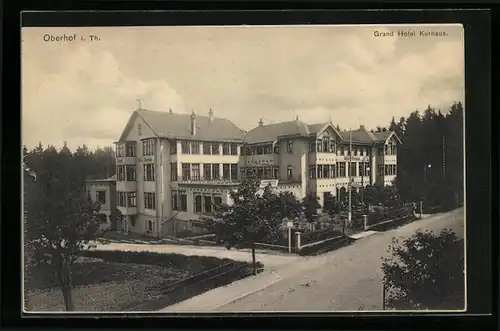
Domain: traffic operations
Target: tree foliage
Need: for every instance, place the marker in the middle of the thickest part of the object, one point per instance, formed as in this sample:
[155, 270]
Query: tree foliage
[310, 206]
[252, 217]
[425, 271]
[436, 139]
[60, 220]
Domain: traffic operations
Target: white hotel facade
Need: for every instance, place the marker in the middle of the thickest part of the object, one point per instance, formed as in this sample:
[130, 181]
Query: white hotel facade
[172, 168]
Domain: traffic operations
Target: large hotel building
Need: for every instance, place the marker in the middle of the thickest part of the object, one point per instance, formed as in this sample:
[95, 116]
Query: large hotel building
[172, 168]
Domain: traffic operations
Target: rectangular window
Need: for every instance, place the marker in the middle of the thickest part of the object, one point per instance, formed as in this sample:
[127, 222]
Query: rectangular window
[326, 171]
[234, 149]
[206, 148]
[215, 149]
[380, 151]
[225, 172]
[150, 225]
[217, 200]
[150, 200]
[173, 147]
[186, 171]
[319, 146]
[195, 171]
[289, 146]
[276, 149]
[183, 201]
[148, 147]
[225, 148]
[260, 173]
[320, 171]
[120, 173]
[215, 171]
[197, 202]
[352, 170]
[207, 203]
[185, 147]
[131, 173]
[276, 173]
[326, 145]
[122, 199]
[289, 173]
[331, 147]
[342, 171]
[101, 197]
[130, 150]
[149, 172]
[173, 171]
[207, 171]
[342, 151]
[234, 171]
[120, 150]
[333, 171]
[195, 147]
[175, 200]
[131, 199]
[386, 170]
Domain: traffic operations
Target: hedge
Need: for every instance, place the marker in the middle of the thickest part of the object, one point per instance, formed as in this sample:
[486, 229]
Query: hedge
[326, 246]
[393, 224]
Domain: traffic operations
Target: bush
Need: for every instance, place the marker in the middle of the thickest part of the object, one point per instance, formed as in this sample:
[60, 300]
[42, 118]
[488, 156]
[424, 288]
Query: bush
[426, 271]
[326, 246]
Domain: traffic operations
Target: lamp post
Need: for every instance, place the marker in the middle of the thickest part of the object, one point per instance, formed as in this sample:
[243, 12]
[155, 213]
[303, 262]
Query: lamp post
[425, 172]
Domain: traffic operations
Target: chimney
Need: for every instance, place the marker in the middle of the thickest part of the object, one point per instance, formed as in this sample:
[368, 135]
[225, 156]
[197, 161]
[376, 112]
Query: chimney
[261, 123]
[170, 110]
[211, 115]
[297, 118]
[361, 126]
[193, 123]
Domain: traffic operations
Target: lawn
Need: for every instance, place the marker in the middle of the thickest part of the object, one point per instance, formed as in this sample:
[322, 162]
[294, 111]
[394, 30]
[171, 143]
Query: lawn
[127, 281]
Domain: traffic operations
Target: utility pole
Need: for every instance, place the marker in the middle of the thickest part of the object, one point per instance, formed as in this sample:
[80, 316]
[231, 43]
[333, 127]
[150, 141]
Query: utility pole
[349, 214]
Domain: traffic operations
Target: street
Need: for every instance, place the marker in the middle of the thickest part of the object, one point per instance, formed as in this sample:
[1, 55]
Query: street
[346, 279]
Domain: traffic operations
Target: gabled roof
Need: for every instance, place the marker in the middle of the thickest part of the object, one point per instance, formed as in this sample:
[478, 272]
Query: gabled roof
[386, 135]
[364, 136]
[178, 126]
[272, 132]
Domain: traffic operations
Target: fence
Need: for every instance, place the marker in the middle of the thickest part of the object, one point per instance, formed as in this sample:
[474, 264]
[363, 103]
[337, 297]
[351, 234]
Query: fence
[196, 284]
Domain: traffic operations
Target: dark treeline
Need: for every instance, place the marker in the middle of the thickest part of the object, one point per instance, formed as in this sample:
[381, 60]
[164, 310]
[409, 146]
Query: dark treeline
[76, 166]
[431, 157]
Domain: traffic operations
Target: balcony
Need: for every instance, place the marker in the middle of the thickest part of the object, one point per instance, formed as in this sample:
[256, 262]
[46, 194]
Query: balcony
[316, 157]
[202, 181]
[126, 186]
[291, 180]
[147, 158]
[127, 210]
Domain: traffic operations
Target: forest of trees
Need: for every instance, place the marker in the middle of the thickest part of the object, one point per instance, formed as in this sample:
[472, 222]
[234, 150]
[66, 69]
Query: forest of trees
[431, 157]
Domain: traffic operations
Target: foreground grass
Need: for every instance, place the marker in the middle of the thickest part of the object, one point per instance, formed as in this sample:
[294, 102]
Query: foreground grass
[125, 281]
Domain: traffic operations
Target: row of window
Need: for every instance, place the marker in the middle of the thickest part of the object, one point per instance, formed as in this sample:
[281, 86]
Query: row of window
[211, 171]
[126, 199]
[338, 170]
[129, 172]
[207, 148]
[128, 149]
[390, 170]
[389, 149]
[325, 145]
[202, 203]
[262, 172]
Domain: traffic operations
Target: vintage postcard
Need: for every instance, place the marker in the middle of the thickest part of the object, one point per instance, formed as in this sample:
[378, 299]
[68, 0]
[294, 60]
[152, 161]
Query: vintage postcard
[243, 168]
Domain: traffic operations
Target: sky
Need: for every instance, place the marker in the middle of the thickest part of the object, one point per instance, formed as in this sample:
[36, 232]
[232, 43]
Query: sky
[84, 91]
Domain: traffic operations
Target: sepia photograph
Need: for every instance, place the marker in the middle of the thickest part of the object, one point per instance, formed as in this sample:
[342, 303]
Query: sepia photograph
[286, 168]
